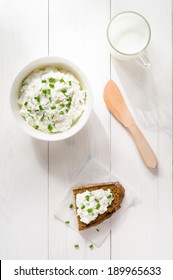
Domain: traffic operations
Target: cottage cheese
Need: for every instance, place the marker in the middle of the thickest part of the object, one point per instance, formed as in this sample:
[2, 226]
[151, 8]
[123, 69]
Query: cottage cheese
[91, 204]
[51, 100]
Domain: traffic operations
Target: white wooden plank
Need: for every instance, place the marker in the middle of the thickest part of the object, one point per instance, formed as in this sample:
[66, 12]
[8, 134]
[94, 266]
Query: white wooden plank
[23, 161]
[79, 36]
[146, 231]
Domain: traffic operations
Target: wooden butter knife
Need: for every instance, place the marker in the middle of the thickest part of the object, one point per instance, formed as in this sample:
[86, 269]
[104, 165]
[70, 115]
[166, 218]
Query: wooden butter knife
[117, 106]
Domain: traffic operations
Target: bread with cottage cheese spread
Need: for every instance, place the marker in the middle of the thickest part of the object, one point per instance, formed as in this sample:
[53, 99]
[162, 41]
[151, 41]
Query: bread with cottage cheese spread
[114, 188]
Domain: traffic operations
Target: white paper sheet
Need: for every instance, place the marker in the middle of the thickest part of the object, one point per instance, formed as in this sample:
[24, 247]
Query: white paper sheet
[94, 172]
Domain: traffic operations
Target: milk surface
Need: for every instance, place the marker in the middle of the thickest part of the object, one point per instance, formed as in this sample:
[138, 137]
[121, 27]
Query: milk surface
[129, 34]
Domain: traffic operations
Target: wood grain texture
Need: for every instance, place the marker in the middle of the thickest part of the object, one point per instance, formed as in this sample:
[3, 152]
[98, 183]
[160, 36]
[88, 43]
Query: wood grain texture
[34, 175]
[117, 106]
[144, 91]
[80, 37]
[23, 161]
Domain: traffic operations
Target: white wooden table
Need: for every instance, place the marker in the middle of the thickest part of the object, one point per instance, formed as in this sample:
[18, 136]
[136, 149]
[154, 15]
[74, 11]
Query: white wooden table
[34, 175]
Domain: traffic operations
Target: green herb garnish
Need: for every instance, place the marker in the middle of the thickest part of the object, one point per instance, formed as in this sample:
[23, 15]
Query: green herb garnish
[61, 113]
[97, 200]
[61, 105]
[30, 111]
[70, 83]
[37, 98]
[89, 210]
[46, 91]
[76, 246]
[36, 127]
[52, 117]
[83, 206]
[41, 108]
[91, 246]
[53, 107]
[50, 127]
[71, 206]
[67, 222]
[43, 81]
[42, 118]
[109, 196]
[87, 197]
[26, 103]
[68, 105]
[51, 85]
[61, 81]
[63, 90]
[52, 80]
[97, 206]
[69, 99]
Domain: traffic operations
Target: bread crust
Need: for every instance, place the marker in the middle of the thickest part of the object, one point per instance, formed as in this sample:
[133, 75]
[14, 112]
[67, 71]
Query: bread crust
[118, 193]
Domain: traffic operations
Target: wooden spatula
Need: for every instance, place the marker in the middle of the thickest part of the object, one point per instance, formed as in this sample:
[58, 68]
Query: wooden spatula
[117, 106]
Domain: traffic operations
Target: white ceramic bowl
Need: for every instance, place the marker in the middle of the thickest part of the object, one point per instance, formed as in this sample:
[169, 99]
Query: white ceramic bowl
[61, 63]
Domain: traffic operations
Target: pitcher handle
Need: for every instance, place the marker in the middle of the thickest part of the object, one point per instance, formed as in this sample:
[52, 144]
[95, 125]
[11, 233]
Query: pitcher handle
[143, 60]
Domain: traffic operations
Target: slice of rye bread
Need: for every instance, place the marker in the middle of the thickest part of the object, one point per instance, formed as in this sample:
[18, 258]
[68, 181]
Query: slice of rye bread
[118, 193]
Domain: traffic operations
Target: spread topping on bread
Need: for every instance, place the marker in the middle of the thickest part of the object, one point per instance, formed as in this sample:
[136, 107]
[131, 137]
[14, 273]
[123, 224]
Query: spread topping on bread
[92, 203]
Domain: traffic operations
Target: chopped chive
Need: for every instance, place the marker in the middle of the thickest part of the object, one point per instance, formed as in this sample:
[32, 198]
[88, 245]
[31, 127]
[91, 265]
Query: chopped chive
[43, 81]
[70, 83]
[36, 127]
[69, 99]
[61, 105]
[71, 206]
[76, 246]
[97, 206]
[97, 229]
[91, 246]
[52, 117]
[83, 206]
[66, 110]
[50, 127]
[52, 80]
[37, 98]
[89, 210]
[42, 118]
[87, 197]
[53, 107]
[30, 111]
[46, 91]
[61, 113]
[50, 99]
[97, 200]
[67, 222]
[63, 90]
[109, 196]
[51, 85]
[61, 81]
[26, 103]
[41, 108]
[68, 105]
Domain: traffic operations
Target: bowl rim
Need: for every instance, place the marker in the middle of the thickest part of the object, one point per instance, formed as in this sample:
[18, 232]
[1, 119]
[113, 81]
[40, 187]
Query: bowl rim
[43, 62]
